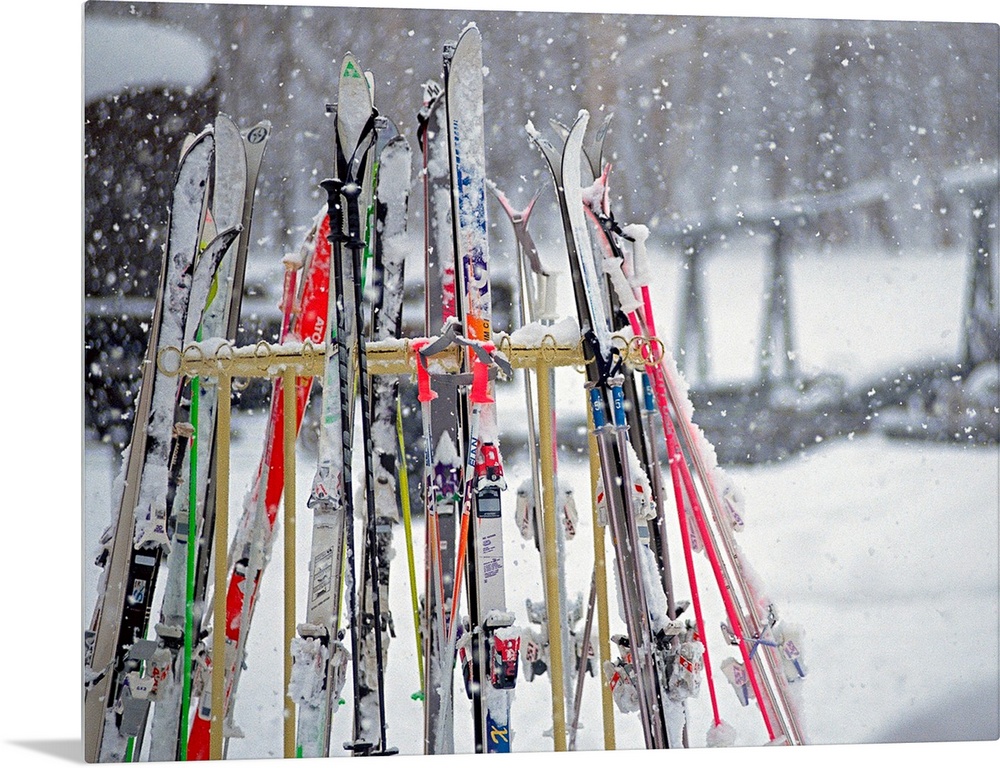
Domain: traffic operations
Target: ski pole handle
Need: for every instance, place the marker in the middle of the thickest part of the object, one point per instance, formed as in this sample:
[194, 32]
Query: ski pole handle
[639, 233]
[548, 297]
[480, 382]
[424, 392]
[623, 289]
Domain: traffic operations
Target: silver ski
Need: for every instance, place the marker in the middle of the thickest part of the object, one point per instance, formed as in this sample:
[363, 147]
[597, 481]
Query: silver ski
[442, 463]
[135, 543]
[618, 466]
[178, 623]
[392, 190]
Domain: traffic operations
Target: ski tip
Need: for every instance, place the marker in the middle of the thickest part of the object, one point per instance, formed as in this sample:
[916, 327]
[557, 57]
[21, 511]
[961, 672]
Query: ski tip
[560, 128]
[605, 124]
[191, 140]
[259, 133]
[349, 67]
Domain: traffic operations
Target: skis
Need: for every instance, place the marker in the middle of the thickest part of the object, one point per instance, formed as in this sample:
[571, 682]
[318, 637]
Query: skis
[442, 463]
[769, 650]
[492, 643]
[393, 183]
[222, 320]
[320, 657]
[250, 549]
[752, 622]
[119, 660]
[234, 172]
[552, 649]
[622, 500]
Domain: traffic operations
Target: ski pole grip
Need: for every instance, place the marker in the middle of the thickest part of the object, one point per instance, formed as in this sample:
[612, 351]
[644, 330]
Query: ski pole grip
[623, 289]
[424, 392]
[480, 382]
[647, 392]
[334, 210]
[639, 233]
[549, 306]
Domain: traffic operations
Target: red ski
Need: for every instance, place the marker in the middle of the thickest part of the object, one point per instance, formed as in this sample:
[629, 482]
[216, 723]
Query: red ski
[304, 320]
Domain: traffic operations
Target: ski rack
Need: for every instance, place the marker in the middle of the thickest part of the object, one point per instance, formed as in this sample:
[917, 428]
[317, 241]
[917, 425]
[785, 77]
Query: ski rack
[385, 358]
[228, 363]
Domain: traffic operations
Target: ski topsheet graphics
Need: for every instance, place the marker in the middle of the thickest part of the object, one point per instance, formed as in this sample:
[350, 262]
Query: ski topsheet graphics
[438, 409]
[604, 382]
[175, 629]
[319, 656]
[490, 643]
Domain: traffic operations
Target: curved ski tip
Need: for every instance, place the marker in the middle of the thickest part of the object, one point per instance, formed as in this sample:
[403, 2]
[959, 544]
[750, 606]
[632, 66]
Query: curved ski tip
[191, 140]
[560, 128]
[469, 28]
[398, 139]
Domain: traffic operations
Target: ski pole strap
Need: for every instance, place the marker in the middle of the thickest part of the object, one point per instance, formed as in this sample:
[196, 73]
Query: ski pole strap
[449, 335]
[609, 361]
[485, 352]
[353, 167]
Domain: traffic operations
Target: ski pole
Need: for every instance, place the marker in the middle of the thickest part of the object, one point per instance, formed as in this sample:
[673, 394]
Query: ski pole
[408, 528]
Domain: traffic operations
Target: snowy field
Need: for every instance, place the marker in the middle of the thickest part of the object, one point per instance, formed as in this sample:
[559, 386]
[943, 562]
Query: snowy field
[884, 552]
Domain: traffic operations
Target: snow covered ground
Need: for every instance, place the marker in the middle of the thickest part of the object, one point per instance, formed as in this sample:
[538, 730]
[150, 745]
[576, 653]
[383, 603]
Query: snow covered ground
[884, 552]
